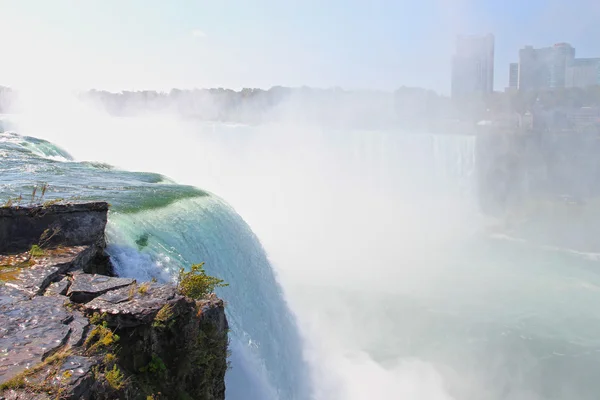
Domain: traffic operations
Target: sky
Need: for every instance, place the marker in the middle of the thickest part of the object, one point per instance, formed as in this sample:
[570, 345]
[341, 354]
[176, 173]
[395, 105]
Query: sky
[355, 44]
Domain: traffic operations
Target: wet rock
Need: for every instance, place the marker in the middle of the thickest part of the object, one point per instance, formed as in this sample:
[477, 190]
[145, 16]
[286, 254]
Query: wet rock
[45, 336]
[79, 327]
[58, 288]
[66, 224]
[31, 330]
[10, 295]
[127, 308]
[86, 287]
[75, 374]
[24, 395]
[34, 279]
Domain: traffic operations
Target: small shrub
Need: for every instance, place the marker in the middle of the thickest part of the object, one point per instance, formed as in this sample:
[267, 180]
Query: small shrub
[155, 367]
[101, 337]
[143, 289]
[36, 251]
[196, 284]
[47, 235]
[132, 290]
[164, 317]
[49, 203]
[67, 375]
[110, 359]
[115, 378]
[97, 319]
[43, 188]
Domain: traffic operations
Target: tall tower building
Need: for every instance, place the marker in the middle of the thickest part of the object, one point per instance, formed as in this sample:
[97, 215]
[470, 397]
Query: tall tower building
[545, 68]
[513, 76]
[473, 66]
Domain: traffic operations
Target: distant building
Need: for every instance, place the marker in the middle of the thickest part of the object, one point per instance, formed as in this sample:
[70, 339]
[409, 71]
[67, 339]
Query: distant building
[583, 72]
[473, 66]
[513, 76]
[585, 117]
[545, 68]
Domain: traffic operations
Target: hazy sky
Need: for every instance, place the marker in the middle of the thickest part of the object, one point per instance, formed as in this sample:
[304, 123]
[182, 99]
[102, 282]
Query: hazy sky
[380, 44]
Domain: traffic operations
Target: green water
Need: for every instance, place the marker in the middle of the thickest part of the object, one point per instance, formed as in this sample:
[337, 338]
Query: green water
[399, 295]
[156, 227]
[27, 162]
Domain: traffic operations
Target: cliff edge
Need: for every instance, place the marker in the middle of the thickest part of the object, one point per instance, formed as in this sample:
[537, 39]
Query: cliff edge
[71, 330]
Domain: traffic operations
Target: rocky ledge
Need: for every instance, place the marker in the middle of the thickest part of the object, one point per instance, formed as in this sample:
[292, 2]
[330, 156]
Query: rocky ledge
[69, 330]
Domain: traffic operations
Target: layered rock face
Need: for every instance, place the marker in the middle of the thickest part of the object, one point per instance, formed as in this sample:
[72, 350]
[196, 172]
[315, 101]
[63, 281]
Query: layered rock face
[70, 334]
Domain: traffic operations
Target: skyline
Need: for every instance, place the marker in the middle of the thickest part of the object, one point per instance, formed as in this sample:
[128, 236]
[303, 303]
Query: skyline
[379, 45]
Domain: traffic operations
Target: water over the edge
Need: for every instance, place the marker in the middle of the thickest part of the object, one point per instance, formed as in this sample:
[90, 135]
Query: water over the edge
[155, 227]
[398, 287]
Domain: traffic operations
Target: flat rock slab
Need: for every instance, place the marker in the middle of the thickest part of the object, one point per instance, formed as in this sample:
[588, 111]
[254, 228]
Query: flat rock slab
[10, 296]
[69, 225]
[75, 374]
[86, 287]
[126, 308]
[34, 279]
[23, 395]
[30, 330]
[58, 288]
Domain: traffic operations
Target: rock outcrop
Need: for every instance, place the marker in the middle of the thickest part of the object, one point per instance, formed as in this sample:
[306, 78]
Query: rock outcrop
[70, 334]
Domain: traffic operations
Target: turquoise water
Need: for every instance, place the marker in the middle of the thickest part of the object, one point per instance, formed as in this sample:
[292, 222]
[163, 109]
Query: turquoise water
[183, 225]
[399, 288]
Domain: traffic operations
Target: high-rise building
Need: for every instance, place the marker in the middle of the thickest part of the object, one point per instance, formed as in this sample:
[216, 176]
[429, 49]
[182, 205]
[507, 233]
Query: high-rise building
[473, 66]
[545, 68]
[583, 72]
[513, 76]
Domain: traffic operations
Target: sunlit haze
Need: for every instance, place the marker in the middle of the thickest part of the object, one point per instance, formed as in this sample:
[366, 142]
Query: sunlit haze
[395, 217]
[381, 44]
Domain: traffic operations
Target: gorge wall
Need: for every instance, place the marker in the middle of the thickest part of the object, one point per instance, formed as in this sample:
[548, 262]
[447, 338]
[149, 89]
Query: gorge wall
[70, 330]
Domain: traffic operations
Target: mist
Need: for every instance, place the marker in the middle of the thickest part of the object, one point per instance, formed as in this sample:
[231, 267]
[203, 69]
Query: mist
[375, 237]
[430, 247]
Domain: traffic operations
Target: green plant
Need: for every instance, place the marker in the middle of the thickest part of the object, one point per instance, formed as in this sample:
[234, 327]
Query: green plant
[101, 337]
[97, 319]
[155, 367]
[109, 359]
[16, 201]
[47, 235]
[132, 289]
[210, 352]
[164, 317]
[49, 203]
[36, 251]
[143, 289]
[115, 377]
[20, 381]
[196, 284]
[43, 188]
